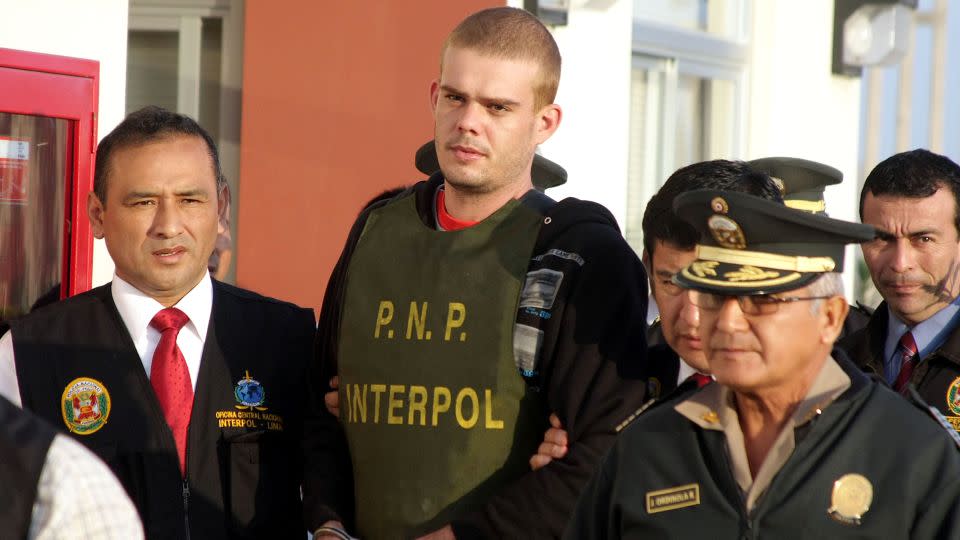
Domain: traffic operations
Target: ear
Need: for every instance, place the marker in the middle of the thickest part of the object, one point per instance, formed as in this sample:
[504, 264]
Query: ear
[548, 120]
[223, 202]
[95, 210]
[434, 94]
[833, 312]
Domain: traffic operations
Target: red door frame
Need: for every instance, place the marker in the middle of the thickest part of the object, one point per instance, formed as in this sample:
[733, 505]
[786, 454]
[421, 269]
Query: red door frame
[61, 87]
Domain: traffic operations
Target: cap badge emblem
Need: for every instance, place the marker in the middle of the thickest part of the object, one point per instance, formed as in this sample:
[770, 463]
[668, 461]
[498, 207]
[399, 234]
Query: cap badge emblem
[86, 405]
[851, 498]
[779, 183]
[726, 231]
[719, 205]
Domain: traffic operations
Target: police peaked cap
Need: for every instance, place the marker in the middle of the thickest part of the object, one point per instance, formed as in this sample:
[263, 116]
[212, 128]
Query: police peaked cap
[750, 245]
[545, 173]
[802, 182]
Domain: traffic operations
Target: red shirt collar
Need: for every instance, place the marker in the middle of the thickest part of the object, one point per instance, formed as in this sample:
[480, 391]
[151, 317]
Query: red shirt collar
[448, 222]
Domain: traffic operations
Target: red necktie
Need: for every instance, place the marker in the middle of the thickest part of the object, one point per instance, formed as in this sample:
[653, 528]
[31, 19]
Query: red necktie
[908, 359]
[701, 379]
[171, 379]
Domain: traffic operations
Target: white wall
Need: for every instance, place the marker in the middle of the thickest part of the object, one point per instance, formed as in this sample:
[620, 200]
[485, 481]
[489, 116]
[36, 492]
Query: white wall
[797, 107]
[91, 29]
[593, 138]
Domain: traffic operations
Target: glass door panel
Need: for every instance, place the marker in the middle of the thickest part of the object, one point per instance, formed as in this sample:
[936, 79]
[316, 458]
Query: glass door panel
[35, 170]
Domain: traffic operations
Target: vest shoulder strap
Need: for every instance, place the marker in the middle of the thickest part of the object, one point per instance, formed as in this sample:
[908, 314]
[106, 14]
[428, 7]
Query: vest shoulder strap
[538, 200]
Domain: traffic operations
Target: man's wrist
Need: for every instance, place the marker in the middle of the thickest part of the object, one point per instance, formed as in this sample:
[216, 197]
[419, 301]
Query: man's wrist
[332, 529]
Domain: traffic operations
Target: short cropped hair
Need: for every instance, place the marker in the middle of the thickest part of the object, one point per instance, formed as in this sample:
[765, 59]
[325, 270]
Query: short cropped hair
[660, 222]
[828, 285]
[149, 124]
[915, 174]
[513, 34]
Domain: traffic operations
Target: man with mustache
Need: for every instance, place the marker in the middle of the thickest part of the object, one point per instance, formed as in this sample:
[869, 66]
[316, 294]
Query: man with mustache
[913, 337]
[196, 393]
[776, 447]
[466, 307]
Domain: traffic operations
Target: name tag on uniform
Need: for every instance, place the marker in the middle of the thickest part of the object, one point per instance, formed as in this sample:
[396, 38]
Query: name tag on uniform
[673, 498]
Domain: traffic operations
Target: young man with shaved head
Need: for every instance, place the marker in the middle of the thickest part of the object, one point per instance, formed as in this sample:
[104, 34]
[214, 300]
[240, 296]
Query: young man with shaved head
[467, 307]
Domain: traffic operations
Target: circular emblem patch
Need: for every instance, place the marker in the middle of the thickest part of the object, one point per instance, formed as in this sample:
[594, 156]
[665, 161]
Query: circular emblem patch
[953, 396]
[851, 498]
[249, 392]
[86, 405]
[726, 232]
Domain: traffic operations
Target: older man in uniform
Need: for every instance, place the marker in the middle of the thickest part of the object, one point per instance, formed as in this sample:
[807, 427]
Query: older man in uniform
[794, 440]
[675, 359]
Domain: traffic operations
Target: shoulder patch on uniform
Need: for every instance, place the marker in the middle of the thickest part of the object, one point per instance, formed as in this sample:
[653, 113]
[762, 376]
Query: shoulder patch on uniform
[953, 396]
[633, 416]
[948, 425]
[85, 405]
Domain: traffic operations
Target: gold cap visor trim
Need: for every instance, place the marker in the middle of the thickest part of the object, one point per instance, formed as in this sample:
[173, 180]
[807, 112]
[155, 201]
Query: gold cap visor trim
[806, 206]
[783, 280]
[765, 260]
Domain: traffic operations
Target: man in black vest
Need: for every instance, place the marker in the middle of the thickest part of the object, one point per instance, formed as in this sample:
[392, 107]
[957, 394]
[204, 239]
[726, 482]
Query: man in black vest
[466, 308]
[195, 393]
[913, 199]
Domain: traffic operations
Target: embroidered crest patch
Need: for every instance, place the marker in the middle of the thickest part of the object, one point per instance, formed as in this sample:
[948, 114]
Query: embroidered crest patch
[86, 405]
[953, 396]
[249, 393]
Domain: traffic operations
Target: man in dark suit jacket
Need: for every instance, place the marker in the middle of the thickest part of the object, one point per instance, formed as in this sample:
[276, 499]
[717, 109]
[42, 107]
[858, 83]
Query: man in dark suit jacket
[913, 199]
[196, 393]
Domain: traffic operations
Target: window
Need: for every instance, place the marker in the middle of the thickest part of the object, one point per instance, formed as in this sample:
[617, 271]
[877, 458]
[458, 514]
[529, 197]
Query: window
[688, 94]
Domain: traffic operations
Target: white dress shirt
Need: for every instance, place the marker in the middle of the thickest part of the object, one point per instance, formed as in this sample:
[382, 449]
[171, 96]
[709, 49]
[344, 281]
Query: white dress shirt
[685, 371]
[136, 310]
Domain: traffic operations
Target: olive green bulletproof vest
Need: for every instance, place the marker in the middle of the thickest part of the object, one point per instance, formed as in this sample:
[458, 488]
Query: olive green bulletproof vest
[437, 417]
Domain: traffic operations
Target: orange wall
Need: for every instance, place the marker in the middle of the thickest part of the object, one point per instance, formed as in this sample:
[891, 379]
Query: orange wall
[335, 103]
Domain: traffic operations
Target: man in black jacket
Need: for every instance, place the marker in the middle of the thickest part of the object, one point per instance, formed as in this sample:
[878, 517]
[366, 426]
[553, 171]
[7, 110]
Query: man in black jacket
[196, 393]
[913, 198]
[464, 309]
[776, 447]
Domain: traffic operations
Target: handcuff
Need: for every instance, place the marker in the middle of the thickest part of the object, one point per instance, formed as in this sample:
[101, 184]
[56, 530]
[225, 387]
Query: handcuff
[335, 531]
